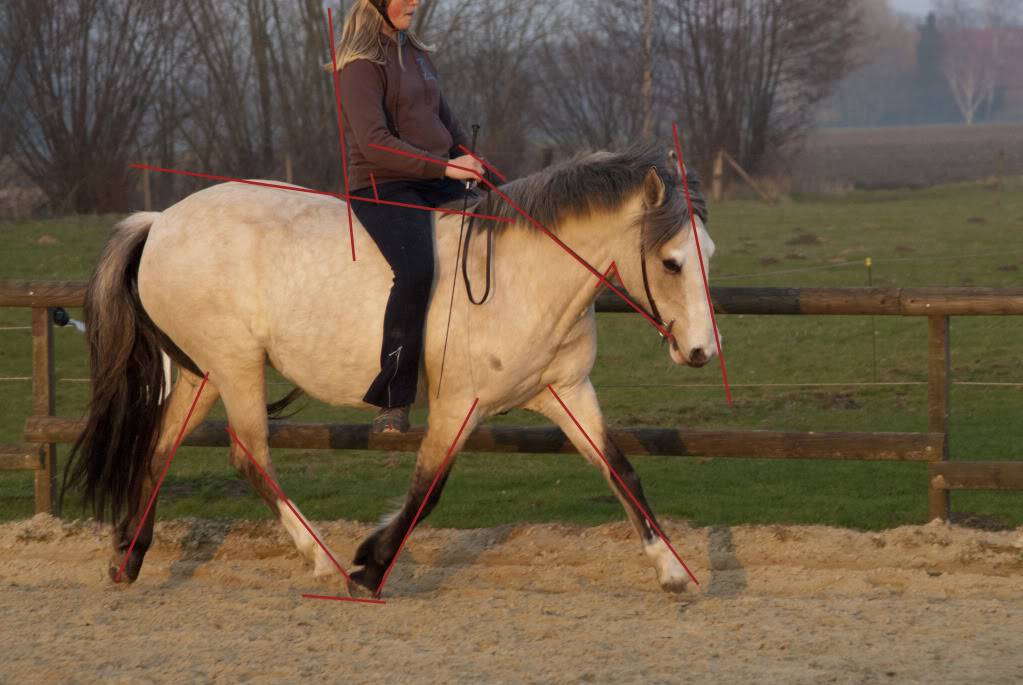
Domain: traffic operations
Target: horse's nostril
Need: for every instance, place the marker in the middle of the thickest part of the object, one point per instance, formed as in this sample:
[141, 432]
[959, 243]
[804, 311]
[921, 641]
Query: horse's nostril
[697, 356]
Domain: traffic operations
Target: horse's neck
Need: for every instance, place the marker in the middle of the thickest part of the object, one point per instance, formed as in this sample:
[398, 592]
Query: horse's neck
[540, 269]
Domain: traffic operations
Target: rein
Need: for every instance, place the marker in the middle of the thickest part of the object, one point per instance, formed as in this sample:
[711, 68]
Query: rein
[490, 255]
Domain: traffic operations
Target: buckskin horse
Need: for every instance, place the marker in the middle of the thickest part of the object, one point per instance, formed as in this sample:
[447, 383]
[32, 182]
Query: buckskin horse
[236, 276]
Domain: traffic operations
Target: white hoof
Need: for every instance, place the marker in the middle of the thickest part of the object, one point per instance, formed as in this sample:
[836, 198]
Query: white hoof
[670, 574]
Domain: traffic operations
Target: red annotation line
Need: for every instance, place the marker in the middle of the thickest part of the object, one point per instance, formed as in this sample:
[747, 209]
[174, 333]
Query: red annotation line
[625, 487]
[373, 182]
[166, 467]
[360, 600]
[443, 468]
[283, 498]
[483, 162]
[340, 125]
[608, 270]
[542, 228]
[703, 269]
[356, 198]
[214, 177]
[503, 220]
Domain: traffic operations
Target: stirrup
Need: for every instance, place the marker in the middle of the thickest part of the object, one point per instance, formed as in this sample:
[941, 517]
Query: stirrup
[391, 420]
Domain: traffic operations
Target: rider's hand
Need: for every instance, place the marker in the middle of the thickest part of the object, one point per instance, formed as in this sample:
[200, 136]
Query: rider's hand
[467, 161]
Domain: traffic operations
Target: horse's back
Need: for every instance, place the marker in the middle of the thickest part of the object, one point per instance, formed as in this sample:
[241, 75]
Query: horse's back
[268, 271]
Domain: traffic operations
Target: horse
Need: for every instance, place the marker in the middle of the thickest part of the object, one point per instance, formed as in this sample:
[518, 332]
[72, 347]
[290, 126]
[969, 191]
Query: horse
[236, 277]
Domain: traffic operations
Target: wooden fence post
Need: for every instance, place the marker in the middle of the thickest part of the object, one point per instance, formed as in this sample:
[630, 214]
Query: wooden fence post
[939, 379]
[716, 187]
[44, 404]
[764, 195]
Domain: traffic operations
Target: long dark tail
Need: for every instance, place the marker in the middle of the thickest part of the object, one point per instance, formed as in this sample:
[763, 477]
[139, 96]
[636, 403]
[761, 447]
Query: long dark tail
[110, 459]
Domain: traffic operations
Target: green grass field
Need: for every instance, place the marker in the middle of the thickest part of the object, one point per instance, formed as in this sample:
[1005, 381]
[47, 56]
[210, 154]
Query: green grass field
[953, 235]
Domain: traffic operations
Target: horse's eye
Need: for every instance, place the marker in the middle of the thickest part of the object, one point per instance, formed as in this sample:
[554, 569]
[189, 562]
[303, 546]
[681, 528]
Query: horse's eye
[672, 266]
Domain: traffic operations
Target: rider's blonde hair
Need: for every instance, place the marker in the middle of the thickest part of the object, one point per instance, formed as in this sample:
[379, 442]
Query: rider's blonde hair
[360, 37]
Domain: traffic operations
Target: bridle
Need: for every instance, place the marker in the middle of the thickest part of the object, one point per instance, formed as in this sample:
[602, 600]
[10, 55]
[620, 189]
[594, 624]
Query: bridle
[653, 313]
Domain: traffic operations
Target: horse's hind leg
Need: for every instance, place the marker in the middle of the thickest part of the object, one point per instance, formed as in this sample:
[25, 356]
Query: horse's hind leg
[581, 400]
[376, 552]
[177, 406]
[245, 400]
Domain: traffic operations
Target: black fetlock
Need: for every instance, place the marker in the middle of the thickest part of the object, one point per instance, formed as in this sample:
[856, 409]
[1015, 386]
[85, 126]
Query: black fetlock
[365, 555]
[366, 580]
[369, 557]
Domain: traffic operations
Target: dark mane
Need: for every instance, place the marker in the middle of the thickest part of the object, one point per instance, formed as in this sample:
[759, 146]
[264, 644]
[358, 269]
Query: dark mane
[592, 182]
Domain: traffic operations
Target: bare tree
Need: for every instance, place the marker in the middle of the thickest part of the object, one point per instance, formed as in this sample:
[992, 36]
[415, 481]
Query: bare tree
[880, 90]
[424, 15]
[225, 111]
[971, 61]
[11, 55]
[594, 78]
[486, 59]
[304, 93]
[971, 65]
[739, 75]
[748, 74]
[86, 80]
[648, 69]
[978, 13]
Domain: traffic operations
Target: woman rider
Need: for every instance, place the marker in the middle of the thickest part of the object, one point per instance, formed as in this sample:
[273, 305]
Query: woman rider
[390, 97]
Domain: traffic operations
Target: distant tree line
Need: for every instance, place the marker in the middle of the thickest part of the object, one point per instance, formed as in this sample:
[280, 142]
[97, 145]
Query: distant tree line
[960, 64]
[237, 88]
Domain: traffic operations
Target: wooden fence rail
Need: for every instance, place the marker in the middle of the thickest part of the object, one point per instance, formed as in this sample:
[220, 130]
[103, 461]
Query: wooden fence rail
[44, 429]
[730, 300]
[547, 440]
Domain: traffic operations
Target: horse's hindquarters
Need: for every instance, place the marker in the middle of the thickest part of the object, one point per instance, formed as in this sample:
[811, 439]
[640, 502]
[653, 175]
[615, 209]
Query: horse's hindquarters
[236, 274]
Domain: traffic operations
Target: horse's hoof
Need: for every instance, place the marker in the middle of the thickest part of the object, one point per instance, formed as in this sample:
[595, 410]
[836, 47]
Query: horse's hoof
[361, 585]
[673, 585]
[671, 575]
[132, 566]
[117, 576]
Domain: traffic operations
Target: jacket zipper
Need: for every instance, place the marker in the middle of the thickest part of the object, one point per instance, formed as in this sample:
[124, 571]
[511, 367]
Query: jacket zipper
[397, 95]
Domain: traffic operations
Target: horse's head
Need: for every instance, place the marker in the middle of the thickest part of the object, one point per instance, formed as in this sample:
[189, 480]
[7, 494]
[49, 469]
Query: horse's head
[672, 287]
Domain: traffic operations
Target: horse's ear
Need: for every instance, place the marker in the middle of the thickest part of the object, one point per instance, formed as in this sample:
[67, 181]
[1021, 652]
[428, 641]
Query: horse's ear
[653, 188]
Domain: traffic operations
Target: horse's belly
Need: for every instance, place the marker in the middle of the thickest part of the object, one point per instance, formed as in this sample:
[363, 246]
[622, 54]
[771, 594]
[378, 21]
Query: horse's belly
[327, 341]
[325, 323]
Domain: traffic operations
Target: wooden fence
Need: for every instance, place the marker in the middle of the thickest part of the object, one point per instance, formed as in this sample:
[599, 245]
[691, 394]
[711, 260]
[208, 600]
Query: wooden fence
[43, 430]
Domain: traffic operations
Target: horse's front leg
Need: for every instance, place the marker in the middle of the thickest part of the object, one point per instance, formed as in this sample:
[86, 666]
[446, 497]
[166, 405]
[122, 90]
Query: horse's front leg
[444, 438]
[580, 401]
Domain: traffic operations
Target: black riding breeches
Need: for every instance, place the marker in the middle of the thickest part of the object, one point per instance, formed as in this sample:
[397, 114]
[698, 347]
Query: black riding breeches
[405, 237]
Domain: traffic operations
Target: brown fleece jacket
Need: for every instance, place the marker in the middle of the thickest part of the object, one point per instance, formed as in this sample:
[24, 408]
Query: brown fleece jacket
[403, 109]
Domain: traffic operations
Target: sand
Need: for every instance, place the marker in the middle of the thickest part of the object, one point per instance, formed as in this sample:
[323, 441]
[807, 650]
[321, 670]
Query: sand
[220, 602]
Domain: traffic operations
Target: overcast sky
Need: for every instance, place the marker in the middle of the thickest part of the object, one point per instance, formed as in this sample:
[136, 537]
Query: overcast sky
[918, 7]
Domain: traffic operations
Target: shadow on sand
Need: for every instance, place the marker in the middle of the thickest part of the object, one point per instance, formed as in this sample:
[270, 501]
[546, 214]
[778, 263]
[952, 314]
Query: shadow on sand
[198, 547]
[728, 577]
